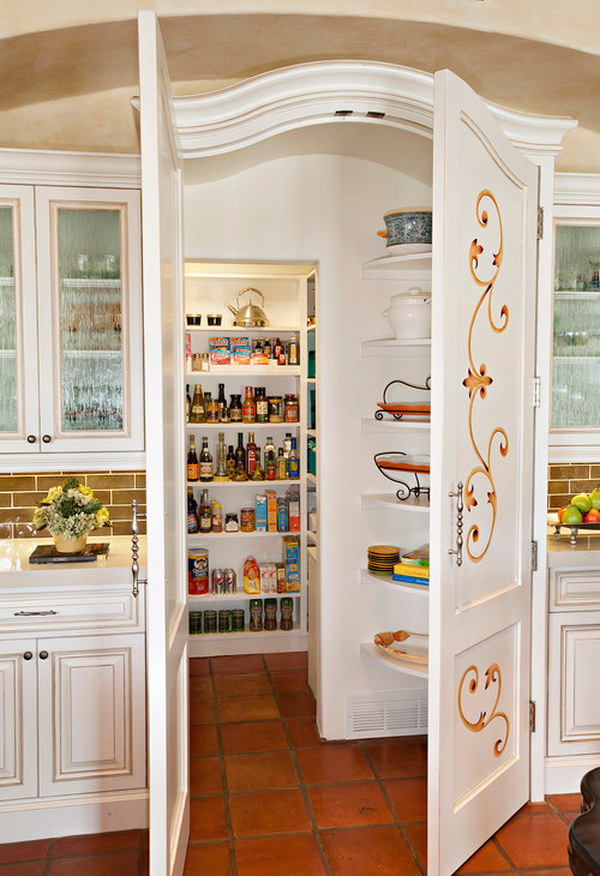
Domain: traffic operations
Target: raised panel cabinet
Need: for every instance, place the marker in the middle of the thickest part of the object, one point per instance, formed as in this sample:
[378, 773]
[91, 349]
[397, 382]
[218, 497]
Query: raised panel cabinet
[18, 720]
[91, 704]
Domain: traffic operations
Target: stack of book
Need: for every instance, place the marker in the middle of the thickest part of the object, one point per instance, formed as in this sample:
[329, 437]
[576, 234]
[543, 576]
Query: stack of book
[413, 567]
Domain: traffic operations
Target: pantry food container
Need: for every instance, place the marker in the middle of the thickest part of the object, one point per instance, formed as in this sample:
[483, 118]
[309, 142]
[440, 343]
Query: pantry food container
[409, 314]
[409, 226]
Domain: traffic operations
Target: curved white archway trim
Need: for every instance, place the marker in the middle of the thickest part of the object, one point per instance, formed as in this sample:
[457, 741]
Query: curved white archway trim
[325, 91]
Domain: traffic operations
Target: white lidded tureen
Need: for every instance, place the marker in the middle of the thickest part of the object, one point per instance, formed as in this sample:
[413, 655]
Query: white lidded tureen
[409, 314]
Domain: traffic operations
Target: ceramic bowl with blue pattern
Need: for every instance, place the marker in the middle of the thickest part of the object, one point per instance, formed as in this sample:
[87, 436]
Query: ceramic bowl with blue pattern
[411, 225]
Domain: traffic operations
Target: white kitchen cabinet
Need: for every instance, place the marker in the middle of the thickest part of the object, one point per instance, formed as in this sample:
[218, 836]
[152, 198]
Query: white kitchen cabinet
[73, 710]
[575, 412]
[70, 341]
[573, 729]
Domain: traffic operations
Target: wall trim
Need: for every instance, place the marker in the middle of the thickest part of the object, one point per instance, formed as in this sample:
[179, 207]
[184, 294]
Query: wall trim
[577, 188]
[46, 167]
[21, 463]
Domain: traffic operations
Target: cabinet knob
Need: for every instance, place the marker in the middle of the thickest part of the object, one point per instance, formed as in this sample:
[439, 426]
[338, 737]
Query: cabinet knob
[46, 439]
[43, 655]
[31, 439]
[27, 655]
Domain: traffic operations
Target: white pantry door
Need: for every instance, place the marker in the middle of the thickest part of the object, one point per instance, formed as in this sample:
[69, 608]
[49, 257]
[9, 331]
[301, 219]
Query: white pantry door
[483, 342]
[167, 586]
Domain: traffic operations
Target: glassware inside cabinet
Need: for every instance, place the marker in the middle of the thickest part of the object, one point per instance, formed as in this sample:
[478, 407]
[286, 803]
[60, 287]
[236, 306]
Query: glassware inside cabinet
[576, 354]
[9, 413]
[90, 319]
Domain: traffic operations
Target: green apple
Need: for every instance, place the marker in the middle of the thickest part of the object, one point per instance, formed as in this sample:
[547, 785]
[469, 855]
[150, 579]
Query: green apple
[572, 515]
[595, 497]
[582, 501]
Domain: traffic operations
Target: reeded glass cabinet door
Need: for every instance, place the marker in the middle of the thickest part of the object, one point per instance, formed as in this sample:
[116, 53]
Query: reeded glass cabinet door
[91, 319]
[19, 430]
[576, 351]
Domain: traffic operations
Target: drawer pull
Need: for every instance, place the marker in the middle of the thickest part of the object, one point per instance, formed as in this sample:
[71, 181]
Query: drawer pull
[43, 655]
[27, 655]
[35, 613]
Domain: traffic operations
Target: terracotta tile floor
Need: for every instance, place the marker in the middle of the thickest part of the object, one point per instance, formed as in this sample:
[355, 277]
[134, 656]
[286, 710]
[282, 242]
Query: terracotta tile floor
[269, 798]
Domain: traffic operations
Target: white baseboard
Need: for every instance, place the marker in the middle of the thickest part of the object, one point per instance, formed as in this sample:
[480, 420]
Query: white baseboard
[562, 775]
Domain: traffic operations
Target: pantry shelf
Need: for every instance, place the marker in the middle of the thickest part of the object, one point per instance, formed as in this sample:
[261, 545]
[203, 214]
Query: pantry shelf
[238, 427]
[410, 266]
[387, 500]
[408, 667]
[255, 484]
[236, 597]
[313, 536]
[242, 330]
[370, 424]
[195, 539]
[367, 577]
[246, 370]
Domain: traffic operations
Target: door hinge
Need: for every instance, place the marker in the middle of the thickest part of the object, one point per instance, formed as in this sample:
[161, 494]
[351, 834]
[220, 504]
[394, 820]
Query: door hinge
[536, 390]
[531, 716]
[534, 556]
[540, 223]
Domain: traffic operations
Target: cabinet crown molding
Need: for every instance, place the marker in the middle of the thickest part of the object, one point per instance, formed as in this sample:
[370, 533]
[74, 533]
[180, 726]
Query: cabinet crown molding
[577, 188]
[305, 94]
[41, 167]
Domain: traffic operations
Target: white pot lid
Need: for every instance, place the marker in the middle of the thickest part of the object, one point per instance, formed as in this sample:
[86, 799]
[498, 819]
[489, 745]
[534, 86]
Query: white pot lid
[411, 298]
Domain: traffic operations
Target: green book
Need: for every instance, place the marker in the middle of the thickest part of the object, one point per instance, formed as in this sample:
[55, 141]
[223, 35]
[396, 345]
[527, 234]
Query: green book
[418, 557]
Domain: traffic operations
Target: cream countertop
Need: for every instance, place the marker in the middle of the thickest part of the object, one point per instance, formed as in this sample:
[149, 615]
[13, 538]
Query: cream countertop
[562, 553]
[14, 563]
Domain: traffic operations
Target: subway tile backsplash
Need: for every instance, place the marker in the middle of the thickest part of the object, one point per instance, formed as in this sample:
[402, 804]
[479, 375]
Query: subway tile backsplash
[19, 494]
[565, 479]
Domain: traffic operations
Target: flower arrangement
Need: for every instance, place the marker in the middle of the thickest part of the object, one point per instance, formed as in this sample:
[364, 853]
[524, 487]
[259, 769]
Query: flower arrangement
[70, 511]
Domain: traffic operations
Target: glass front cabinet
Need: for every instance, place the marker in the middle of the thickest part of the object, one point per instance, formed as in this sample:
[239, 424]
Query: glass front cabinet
[70, 320]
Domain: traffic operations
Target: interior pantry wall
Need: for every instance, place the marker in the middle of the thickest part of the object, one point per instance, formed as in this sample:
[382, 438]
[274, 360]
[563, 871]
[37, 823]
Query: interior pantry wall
[19, 493]
[282, 202]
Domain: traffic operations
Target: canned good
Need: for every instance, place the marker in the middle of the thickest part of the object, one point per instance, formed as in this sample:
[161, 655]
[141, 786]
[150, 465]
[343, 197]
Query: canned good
[238, 620]
[197, 572]
[276, 409]
[255, 615]
[195, 622]
[225, 621]
[230, 581]
[247, 520]
[270, 614]
[287, 613]
[210, 621]
[231, 523]
[218, 581]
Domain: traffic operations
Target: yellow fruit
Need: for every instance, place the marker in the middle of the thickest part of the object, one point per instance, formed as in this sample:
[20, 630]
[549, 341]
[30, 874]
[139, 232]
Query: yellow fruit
[572, 515]
[582, 501]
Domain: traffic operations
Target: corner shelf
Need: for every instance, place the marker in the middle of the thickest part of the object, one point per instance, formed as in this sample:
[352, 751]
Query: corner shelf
[367, 577]
[389, 500]
[409, 667]
[412, 266]
[396, 347]
[370, 424]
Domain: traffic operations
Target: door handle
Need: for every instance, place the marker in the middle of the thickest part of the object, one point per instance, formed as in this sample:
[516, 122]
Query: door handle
[135, 569]
[459, 522]
[27, 655]
[34, 613]
[46, 439]
[43, 655]
[31, 439]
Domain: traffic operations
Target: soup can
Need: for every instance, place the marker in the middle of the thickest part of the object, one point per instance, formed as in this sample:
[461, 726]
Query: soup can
[197, 571]
[210, 621]
[238, 620]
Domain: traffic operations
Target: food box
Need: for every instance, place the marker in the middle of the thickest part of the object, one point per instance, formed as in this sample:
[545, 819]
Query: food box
[261, 513]
[291, 558]
[280, 574]
[293, 497]
[271, 510]
[241, 349]
[251, 576]
[283, 518]
[219, 351]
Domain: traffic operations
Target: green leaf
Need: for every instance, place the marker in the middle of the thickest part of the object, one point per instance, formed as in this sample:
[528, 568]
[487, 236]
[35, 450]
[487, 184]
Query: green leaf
[92, 506]
[70, 484]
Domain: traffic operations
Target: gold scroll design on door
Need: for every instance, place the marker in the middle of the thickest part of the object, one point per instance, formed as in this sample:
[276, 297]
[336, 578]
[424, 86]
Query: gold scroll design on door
[478, 380]
[493, 675]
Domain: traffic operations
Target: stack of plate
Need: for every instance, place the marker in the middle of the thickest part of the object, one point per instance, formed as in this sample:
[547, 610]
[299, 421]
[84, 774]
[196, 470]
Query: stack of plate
[382, 558]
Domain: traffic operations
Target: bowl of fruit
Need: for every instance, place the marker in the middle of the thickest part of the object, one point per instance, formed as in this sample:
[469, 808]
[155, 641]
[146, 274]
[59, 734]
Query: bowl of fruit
[582, 512]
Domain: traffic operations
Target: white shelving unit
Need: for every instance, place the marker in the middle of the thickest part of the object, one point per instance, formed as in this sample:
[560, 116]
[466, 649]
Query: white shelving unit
[410, 360]
[208, 288]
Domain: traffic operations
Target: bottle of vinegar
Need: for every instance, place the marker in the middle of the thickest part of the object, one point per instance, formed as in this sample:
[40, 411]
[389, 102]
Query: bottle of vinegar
[192, 461]
[206, 462]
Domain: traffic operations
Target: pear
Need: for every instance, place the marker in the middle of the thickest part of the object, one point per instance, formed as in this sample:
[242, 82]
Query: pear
[595, 498]
[582, 501]
[572, 515]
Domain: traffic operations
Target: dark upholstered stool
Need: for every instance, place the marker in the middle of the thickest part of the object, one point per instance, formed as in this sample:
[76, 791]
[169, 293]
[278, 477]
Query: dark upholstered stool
[584, 833]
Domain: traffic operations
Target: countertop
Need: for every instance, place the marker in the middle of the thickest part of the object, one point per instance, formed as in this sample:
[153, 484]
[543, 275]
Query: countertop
[18, 571]
[561, 553]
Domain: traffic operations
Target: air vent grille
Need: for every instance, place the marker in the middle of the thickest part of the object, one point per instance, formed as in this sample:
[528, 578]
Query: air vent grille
[386, 713]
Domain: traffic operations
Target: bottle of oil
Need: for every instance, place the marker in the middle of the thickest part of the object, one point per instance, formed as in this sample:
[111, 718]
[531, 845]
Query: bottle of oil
[230, 462]
[249, 407]
[205, 514]
[192, 461]
[188, 403]
[250, 455]
[197, 414]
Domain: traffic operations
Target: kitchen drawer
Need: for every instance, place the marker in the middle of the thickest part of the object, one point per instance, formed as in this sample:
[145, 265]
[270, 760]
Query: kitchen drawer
[57, 610]
[574, 589]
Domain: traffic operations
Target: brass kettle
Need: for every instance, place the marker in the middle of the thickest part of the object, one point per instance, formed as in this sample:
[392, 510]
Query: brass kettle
[249, 314]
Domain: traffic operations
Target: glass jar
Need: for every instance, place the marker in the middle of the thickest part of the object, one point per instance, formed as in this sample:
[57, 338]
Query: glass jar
[276, 409]
[291, 411]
